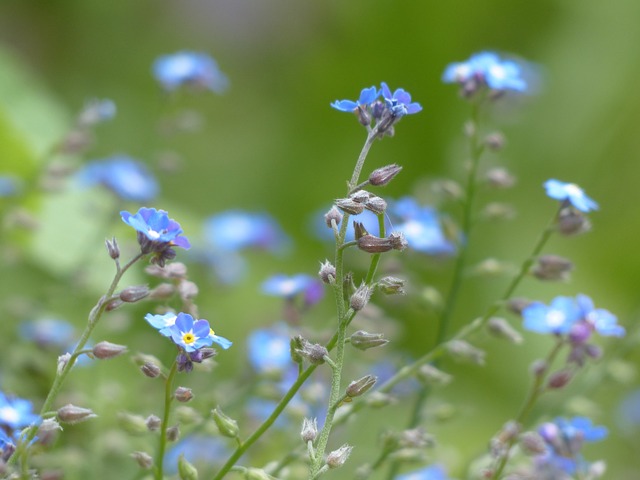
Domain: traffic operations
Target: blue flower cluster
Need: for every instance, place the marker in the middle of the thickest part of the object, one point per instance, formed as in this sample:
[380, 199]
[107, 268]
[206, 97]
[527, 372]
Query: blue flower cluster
[281, 285]
[15, 414]
[129, 179]
[189, 69]
[564, 439]
[432, 472]
[486, 69]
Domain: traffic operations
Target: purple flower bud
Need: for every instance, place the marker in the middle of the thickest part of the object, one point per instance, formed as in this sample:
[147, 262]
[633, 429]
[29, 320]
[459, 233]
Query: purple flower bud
[382, 176]
[173, 433]
[104, 350]
[112, 248]
[376, 205]
[183, 394]
[361, 297]
[559, 379]
[151, 370]
[327, 272]
[153, 423]
[349, 206]
[333, 215]
[134, 293]
[72, 414]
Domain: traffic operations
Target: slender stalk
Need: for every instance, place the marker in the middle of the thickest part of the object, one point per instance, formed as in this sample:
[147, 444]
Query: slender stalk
[168, 398]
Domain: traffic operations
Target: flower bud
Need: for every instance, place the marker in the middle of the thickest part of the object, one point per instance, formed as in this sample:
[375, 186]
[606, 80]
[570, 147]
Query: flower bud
[559, 379]
[309, 430]
[153, 423]
[552, 267]
[502, 329]
[495, 141]
[327, 272]
[72, 414]
[187, 290]
[349, 206]
[113, 304]
[361, 297]
[572, 222]
[104, 350]
[295, 346]
[162, 291]
[431, 375]
[382, 176]
[391, 286]
[134, 293]
[398, 241]
[333, 215]
[314, 353]
[173, 433]
[338, 457]
[532, 444]
[363, 116]
[364, 340]
[183, 394]
[371, 244]
[376, 205]
[361, 386]
[151, 370]
[465, 351]
[500, 178]
[539, 368]
[516, 305]
[360, 196]
[186, 470]
[227, 426]
[112, 248]
[143, 459]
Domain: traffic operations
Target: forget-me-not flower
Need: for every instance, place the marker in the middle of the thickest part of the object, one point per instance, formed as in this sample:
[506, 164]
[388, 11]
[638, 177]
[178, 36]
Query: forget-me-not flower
[571, 193]
[236, 230]
[156, 232]
[486, 68]
[129, 179]
[598, 319]
[399, 102]
[162, 323]
[269, 348]
[367, 97]
[16, 413]
[190, 334]
[556, 318]
[281, 285]
[48, 331]
[189, 68]
[432, 472]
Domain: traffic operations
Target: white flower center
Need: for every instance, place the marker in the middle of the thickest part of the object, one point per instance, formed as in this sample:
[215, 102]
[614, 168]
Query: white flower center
[9, 415]
[555, 318]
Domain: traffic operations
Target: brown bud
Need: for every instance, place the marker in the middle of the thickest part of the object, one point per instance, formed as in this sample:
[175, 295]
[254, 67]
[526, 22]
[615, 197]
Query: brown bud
[349, 206]
[112, 248]
[361, 386]
[151, 370]
[134, 293]
[327, 273]
[361, 196]
[104, 350]
[382, 176]
[376, 205]
[333, 215]
[552, 267]
[183, 394]
[144, 460]
[72, 414]
[371, 244]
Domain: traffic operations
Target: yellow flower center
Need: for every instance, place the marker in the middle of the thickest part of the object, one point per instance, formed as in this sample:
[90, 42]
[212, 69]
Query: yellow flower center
[211, 332]
[188, 338]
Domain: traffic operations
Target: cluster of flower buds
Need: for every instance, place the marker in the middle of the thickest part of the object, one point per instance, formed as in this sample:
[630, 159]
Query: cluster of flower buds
[360, 200]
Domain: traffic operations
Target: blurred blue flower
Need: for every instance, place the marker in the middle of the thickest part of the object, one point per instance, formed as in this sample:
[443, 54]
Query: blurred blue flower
[190, 334]
[399, 102]
[48, 332]
[162, 323]
[432, 472]
[156, 226]
[129, 179]
[268, 348]
[629, 412]
[97, 111]
[486, 68]
[199, 450]
[281, 285]
[557, 318]
[421, 227]
[367, 97]
[191, 69]
[9, 186]
[600, 320]
[570, 192]
[236, 230]
[16, 413]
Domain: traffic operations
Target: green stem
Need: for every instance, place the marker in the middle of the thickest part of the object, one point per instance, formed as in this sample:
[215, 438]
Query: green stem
[168, 398]
[93, 319]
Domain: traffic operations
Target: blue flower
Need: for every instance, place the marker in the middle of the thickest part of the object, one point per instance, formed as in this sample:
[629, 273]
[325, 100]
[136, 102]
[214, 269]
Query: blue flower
[236, 230]
[432, 472]
[220, 341]
[189, 334]
[421, 227]
[281, 285]
[162, 323]
[48, 332]
[486, 68]
[157, 227]
[557, 318]
[367, 97]
[269, 348]
[600, 320]
[399, 102]
[124, 176]
[16, 413]
[9, 186]
[571, 193]
[97, 111]
[189, 68]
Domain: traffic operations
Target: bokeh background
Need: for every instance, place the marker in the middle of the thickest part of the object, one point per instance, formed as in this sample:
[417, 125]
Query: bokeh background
[271, 143]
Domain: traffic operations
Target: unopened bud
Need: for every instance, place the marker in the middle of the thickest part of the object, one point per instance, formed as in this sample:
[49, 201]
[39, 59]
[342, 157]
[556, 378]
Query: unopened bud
[433, 376]
[173, 433]
[502, 329]
[517, 305]
[134, 293]
[363, 116]
[153, 423]
[398, 241]
[333, 215]
[364, 340]
[113, 304]
[162, 291]
[327, 272]
[552, 267]
[361, 386]
[500, 178]
[187, 290]
[572, 222]
[72, 414]
[361, 297]
[312, 352]
[187, 415]
[186, 470]
[539, 368]
[391, 286]
[227, 426]
[349, 206]
[309, 430]
[112, 248]
[183, 394]
[360, 196]
[151, 370]
[371, 244]
[559, 379]
[382, 176]
[532, 444]
[465, 351]
[376, 205]
[104, 350]
[495, 141]
[338, 457]
[143, 459]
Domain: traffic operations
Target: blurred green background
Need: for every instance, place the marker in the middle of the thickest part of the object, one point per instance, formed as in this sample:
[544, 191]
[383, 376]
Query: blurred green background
[272, 143]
